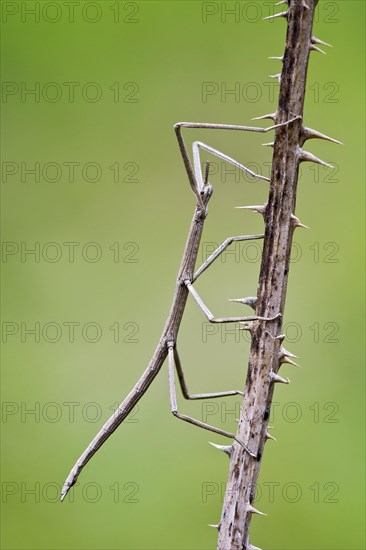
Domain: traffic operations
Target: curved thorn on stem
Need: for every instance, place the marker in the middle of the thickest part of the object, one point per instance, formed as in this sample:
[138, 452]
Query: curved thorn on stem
[277, 379]
[316, 49]
[227, 449]
[271, 116]
[276, 16]
[253, 510]
[305, 156]
[259, 208]
[250, 301]
[309, 133]
[315, 40]
[297, 223]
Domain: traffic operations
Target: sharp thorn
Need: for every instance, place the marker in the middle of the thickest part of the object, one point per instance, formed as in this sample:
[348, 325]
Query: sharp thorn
[251, 547]
[251, 301]
[309, 157]
[297, 223]
[286, 359]
[284, 353]
[225, 449]
[277, 58]
[215, 526]
[315, 40]
[253, 510]
[246, 326]
[305, 5]
[277, 379]
[277, 15]
[271, 144]
[278, 76]
[271, 116]
[316, 49]
[280, 337]
[282, 2]
[269, 436]
[260, 208]
[309, 133]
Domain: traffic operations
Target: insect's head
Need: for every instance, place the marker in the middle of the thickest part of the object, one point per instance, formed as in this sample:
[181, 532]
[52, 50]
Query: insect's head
[205, 188]
[203, 198]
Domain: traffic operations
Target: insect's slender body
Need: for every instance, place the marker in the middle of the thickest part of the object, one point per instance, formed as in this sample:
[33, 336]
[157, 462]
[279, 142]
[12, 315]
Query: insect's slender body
[169, 334]
[186, 276]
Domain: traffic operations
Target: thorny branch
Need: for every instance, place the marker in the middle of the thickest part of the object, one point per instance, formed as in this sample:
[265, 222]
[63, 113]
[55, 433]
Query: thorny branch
[267, 353]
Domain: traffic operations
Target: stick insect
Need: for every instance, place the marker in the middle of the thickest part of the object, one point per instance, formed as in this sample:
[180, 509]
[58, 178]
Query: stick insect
[167, 346]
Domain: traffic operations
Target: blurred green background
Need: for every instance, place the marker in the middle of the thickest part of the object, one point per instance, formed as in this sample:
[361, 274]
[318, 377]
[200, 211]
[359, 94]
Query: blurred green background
[110, 79]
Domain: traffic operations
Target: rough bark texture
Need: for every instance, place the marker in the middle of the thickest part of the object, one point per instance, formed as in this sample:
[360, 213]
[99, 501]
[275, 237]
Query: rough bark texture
[266, 353]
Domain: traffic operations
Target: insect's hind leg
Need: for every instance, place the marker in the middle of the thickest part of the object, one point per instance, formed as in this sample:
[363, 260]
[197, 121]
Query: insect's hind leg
[189, 419]
[193, 396]
[210, 317]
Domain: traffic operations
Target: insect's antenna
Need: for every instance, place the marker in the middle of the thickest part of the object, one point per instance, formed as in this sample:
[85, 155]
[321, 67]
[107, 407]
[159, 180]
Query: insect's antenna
[187, 163]
[207, 170]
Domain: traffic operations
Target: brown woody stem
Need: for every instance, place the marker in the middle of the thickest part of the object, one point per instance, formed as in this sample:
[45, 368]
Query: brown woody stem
[265, 354]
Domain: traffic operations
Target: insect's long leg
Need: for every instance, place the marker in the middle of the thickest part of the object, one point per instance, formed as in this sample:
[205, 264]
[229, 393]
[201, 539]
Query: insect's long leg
[118, 416]
[197, 145]
[213, 126]
[221, 249]
[193, 396]
[212, 319]
[174, 405]
[197, 186]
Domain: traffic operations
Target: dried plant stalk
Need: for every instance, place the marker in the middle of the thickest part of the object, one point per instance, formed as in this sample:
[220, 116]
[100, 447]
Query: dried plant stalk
[267, 353]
